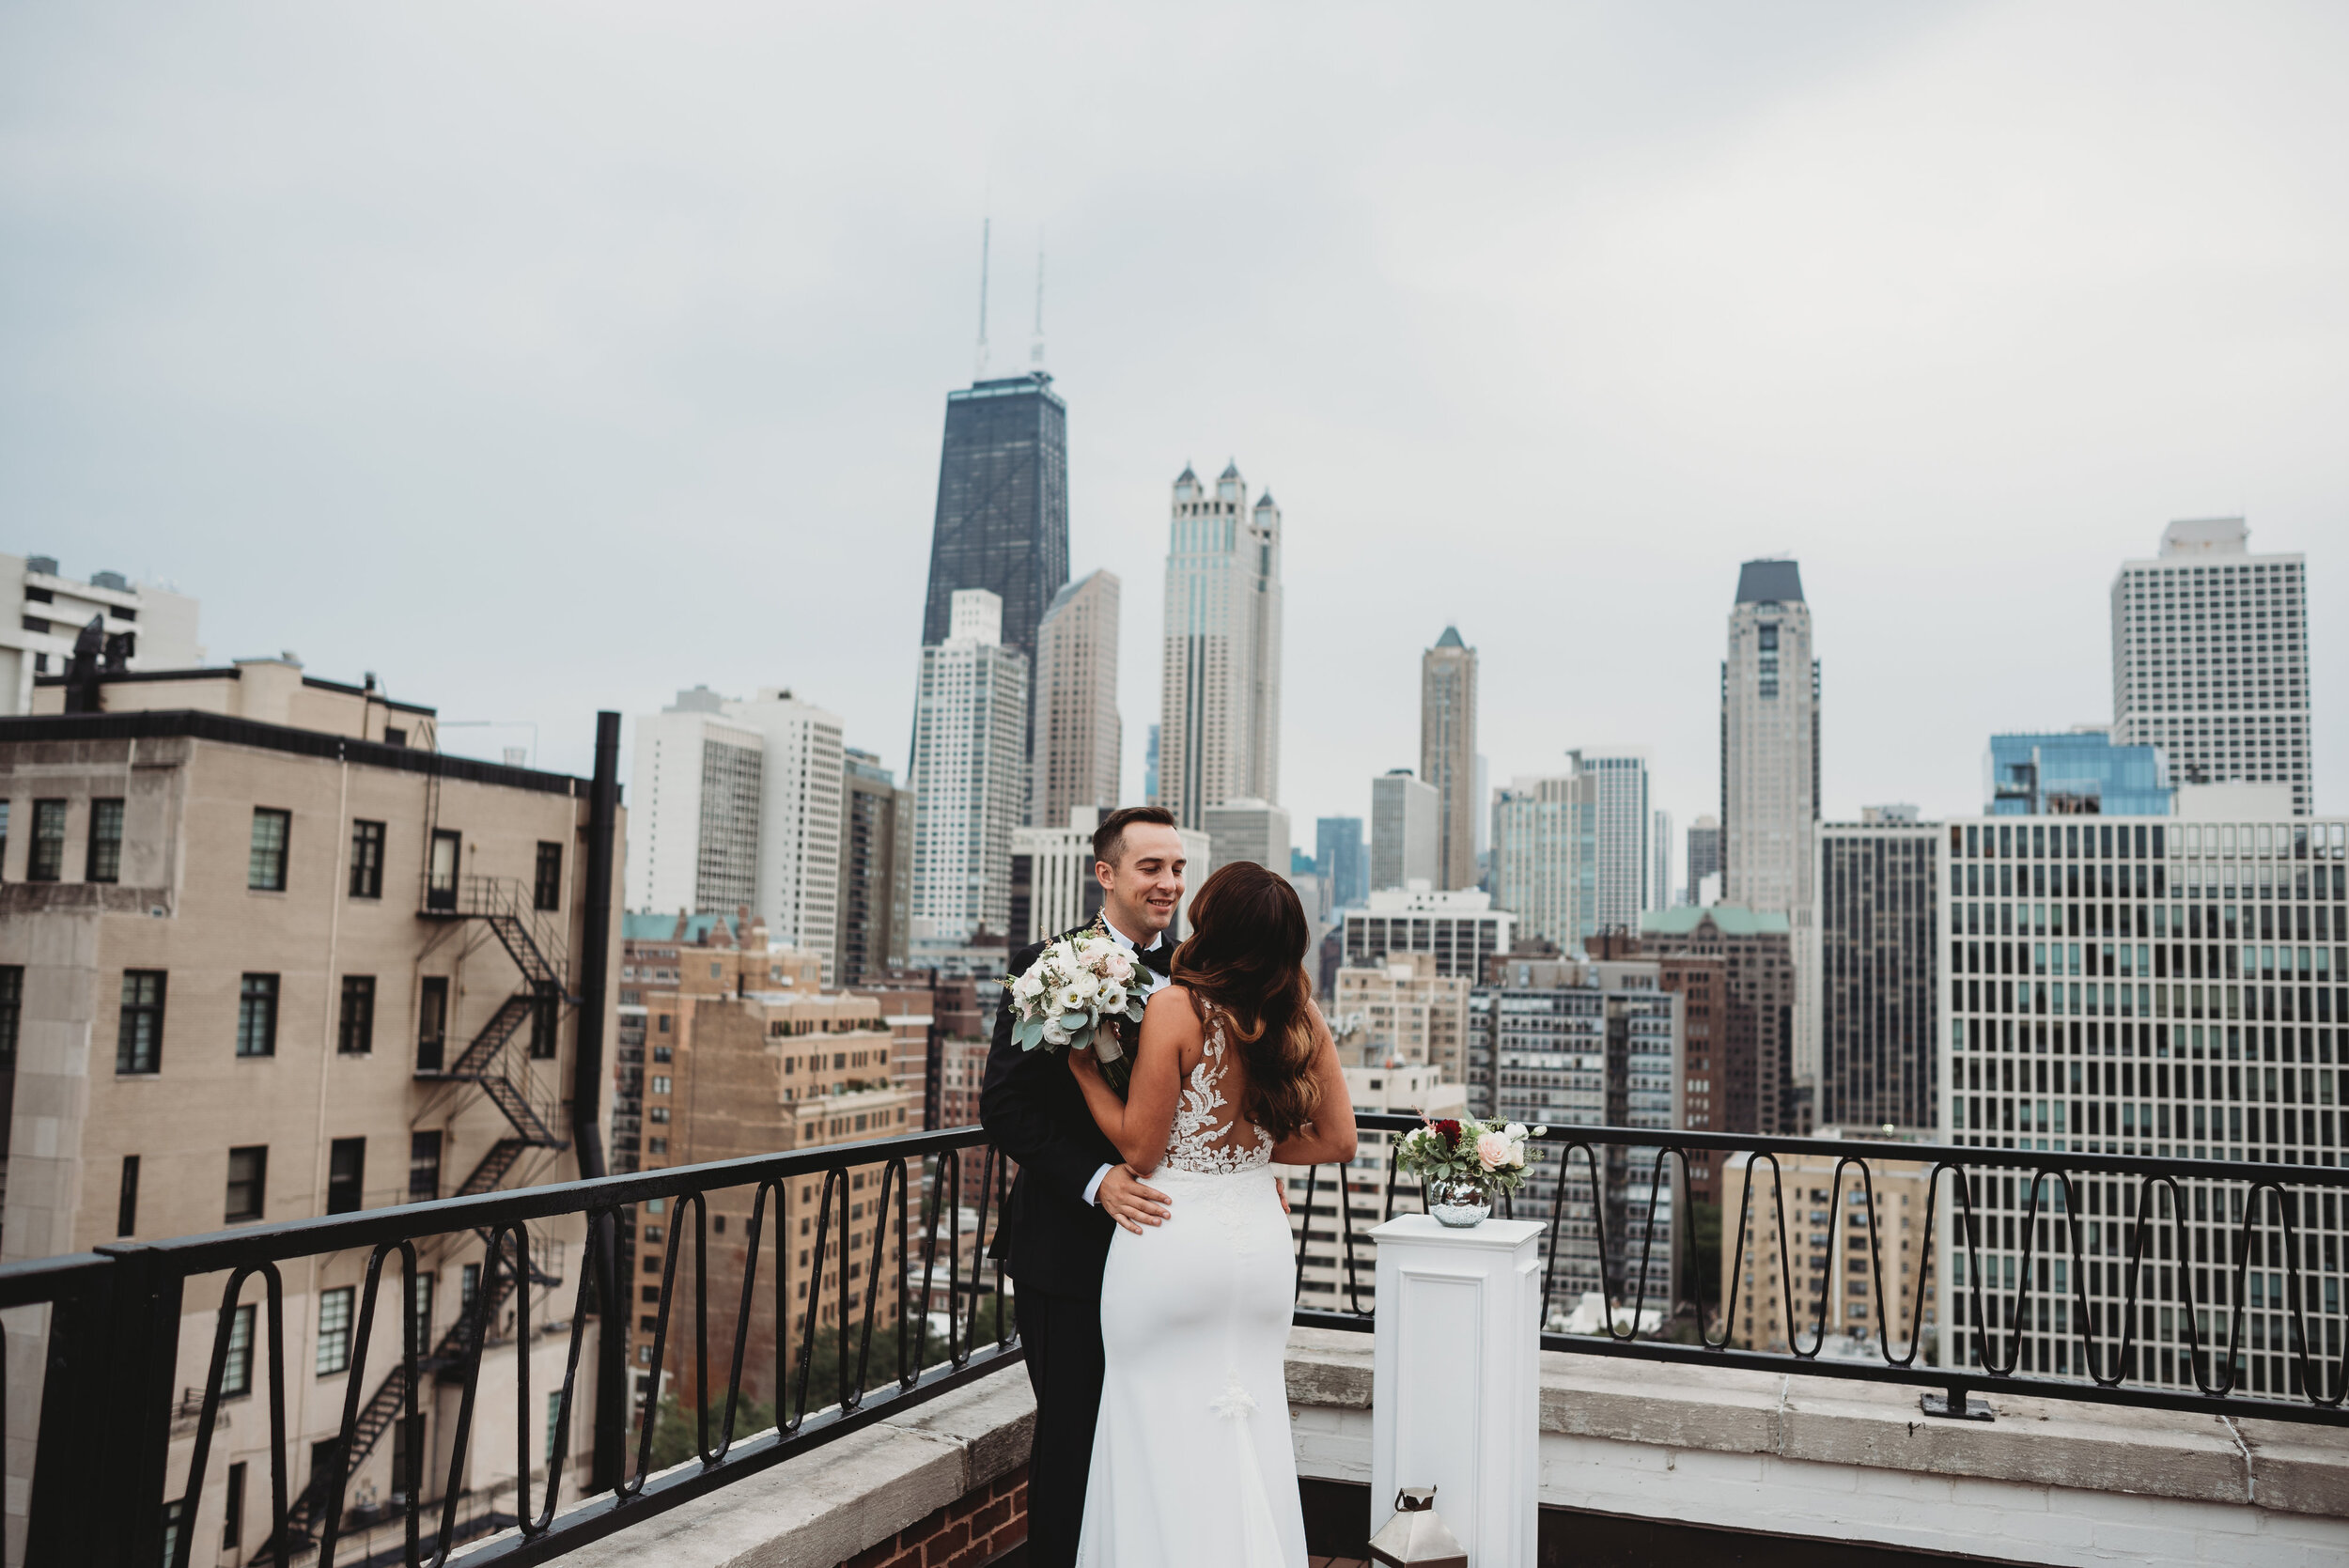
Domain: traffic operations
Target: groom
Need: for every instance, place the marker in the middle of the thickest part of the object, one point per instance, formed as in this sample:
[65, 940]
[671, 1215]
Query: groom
[1072, 1186]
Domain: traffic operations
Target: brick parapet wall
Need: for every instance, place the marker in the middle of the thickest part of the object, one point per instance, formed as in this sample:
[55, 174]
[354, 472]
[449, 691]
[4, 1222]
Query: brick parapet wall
[975, 1528]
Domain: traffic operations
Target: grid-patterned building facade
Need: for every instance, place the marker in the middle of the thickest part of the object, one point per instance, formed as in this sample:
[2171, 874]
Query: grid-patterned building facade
[1447, 754]
[1078, 735]
[2172, 986]
[2210, 660]
[1879, 916]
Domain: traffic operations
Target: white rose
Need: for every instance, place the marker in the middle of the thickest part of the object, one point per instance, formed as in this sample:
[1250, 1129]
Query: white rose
[1084, 984]
[1053, 1033]
[1515, 1130]
[1028, 986]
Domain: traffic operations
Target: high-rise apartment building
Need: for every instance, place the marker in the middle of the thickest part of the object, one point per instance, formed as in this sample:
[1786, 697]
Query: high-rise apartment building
[876, 869]
[2075, 772]
[1002, 523]
[1590, 1044]
[1406, 829]
[2210, 658]
[1770, 779]
[1447, 754]
[969, 774]
[1052, 885]
[1704, 858]
[1338, 855]
[142, 626]
[1248, 830]
[1753, 1036]
[739, 803]
[1461, 928]
[1619, 834]
[263, 961]
[1078, 735]
[1402, 1011]
[1659, 882]
[1866, 1289]
[1545, 859]
[1879, 946]
[1219, 690]
[2171, 987]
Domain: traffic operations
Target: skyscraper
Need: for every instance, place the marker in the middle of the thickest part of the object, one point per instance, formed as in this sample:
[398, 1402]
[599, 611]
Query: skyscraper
[1247, 830]
[1544, 858]
[1619, 802]
[1447, 754]
[2210, 658]
[1704, 856]
[1003, 506]
[1771, 777]
[1659, 883]
[1404, 821]
[969, 774]
[876, 869]
[1338, 854]
[1220, 691]
[1879, 921]
[737, 803]
[1078, 735]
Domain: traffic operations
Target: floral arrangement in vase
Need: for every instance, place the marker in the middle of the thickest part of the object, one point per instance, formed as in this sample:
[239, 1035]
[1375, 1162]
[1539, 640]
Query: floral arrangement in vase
[1074, 997]
[1464, 1163]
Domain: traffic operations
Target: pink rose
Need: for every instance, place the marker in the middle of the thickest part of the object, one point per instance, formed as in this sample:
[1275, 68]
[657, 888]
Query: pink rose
[1119, 965]
[1493, 1150]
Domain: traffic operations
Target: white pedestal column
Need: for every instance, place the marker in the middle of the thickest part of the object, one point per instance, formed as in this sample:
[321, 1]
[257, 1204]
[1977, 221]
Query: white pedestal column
[1455, 1381]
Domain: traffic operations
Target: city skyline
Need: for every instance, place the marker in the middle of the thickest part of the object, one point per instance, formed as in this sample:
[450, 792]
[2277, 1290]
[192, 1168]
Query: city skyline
[801, 451]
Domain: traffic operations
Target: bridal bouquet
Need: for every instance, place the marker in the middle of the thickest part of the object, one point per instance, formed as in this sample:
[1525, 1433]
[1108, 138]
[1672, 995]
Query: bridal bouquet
[1074, 996]
[1465, 1152]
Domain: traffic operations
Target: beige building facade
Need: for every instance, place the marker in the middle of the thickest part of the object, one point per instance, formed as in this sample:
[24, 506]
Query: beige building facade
[1447, 754]
[1403, 1009]
[274, 958]
[1078, 734]
[1867, 1289]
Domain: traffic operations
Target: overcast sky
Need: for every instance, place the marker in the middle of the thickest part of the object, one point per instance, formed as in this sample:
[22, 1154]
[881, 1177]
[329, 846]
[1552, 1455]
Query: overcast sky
[548, 357]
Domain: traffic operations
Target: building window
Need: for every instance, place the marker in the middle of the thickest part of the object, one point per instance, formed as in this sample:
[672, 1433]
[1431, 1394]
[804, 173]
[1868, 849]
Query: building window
[257, 1016]
[542, 1029]
[424, 1167]
[236, 1369]
[248, 1177]
[11, 1012]
[47, 861]
[232, 1512]
[354, 1032]
[366, 860]
[139, 1034]
[104, 863]
[659, 1084]
[345, 1176]
[265, 866]
[335, 1329]
[431, 1023]
[546, 887]
[424, 1314]
[127, 1202]
[439, 872]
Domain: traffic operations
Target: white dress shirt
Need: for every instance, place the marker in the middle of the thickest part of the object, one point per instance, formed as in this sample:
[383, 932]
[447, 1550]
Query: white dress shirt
[1151, 980]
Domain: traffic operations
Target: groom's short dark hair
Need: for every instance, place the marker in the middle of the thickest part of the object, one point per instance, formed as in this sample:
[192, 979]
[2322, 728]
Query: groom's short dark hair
[1108, 839]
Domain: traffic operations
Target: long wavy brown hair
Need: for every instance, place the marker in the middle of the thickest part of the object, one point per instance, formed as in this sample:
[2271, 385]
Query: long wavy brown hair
[1246, 955]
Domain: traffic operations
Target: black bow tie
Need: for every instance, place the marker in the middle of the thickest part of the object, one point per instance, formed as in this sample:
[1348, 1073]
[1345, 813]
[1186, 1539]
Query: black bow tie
[1159, 959]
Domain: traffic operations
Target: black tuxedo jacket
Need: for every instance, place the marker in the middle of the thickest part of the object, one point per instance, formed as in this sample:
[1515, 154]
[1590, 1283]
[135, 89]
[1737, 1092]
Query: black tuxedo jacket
[1050, 1238]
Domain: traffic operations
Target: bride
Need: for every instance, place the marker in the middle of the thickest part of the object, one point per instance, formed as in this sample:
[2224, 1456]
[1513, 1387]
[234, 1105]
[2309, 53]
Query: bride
[1235, 1069]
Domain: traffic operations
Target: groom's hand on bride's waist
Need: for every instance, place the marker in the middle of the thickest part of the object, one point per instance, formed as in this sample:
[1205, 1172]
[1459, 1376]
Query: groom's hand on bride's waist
[1125, 1198]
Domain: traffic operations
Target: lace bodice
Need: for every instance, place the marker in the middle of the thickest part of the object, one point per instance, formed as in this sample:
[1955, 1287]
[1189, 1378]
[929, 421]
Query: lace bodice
[1208, 1135]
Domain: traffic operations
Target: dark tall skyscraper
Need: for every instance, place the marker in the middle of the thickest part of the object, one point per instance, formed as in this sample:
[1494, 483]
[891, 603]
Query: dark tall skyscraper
[1879, 909]
[1002, 504]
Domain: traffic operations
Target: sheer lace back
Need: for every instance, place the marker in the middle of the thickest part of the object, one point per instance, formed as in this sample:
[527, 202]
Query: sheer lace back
[1208, 1134]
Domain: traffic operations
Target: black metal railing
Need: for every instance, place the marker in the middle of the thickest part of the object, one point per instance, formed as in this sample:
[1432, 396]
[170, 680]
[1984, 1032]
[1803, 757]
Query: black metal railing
[2273, 1211]
[103, 1493]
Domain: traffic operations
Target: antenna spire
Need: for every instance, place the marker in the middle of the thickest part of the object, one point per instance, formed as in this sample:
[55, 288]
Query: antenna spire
[985, 226]
[1035, 345]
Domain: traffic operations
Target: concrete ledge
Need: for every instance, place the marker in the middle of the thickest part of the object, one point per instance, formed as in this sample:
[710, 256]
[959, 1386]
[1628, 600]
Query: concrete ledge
[825, 1507]
[2280, 1466]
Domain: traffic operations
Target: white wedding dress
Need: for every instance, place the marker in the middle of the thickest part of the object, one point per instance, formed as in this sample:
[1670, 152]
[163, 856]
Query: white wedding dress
[1191, 1461]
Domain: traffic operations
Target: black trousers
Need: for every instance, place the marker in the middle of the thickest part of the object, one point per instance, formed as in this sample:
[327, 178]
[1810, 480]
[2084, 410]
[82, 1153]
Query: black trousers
[1063, 1337]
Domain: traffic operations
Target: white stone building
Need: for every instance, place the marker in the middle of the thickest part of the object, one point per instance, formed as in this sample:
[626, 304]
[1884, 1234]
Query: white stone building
[1220, 693]
[157, 625]
[968, 775]
[1545, 863]
[1460, 927]
[738, 804]
[1406, 830]
[1249, 830]
[2210, 658]
[1619, 824]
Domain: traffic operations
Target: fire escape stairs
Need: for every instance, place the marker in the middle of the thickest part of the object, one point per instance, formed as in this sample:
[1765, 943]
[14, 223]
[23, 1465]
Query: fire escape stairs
[377, 1415]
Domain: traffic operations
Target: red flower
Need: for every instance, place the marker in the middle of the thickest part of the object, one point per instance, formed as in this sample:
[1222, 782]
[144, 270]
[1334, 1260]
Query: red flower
[1451, 1131]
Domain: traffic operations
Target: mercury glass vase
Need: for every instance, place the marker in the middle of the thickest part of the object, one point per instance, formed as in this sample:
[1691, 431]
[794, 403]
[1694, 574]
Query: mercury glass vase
[1459, 1202]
